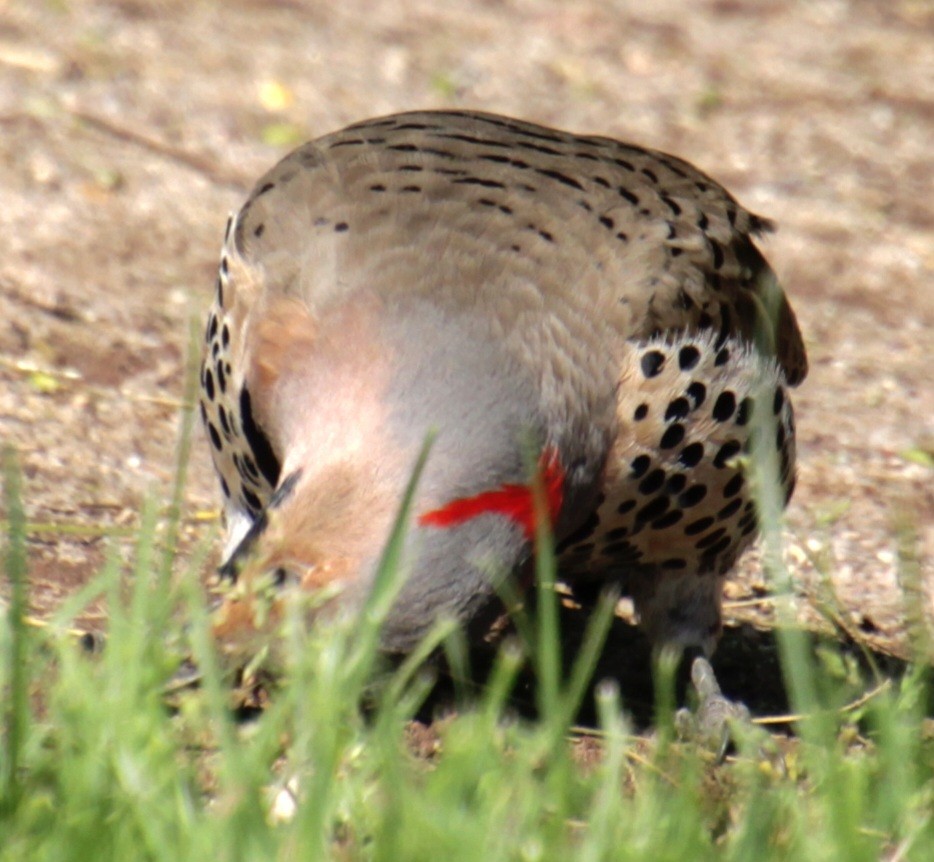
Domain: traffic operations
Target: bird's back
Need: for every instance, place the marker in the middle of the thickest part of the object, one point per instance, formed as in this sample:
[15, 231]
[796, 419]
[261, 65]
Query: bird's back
[584, 258]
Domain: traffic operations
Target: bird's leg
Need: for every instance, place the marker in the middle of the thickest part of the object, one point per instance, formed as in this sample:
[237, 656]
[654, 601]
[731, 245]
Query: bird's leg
[714, 721]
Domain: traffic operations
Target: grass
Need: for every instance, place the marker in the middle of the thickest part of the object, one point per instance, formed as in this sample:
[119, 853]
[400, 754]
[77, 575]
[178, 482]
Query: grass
[94, 764]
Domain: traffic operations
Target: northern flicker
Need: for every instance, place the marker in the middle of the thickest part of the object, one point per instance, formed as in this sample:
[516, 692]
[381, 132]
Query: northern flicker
[495, 282]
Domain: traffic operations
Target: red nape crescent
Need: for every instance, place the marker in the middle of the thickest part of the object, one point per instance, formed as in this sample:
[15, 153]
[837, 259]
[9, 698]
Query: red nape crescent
[516, 502]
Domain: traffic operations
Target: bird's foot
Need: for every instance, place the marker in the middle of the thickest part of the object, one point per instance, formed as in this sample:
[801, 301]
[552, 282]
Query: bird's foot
[717, 721]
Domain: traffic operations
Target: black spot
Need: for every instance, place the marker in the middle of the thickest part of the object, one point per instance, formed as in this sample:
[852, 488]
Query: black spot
[652, 362]
[780, 438]
[653, 482]
[779, 401]
[790, 489]
[626, 506]
[698, 526]
[674, 563]
[727, 451]
[641, 412]
[688, 356]
[266, 188]
[616, 534]
[204, 414]
[341, 227]
[628, 195]
[238, 463]
[671, 204]
[725, 324]
[677, 409]
[710, 538]
[691, 454]
[745, 411]
[479, 181]
[678, 172]
[607, 222]
[650, 174]
[676, 483]
[215, 437]
[225, 336]
[378, 187]
[725, 406]
[209, 383]
[722, 357]
[640, 465]
[212, 328]
[673, 435]
[561, 178]
[250, 466]
[222, 415]
[221, 377]
[667, 520]
[718, 547]
[692, 496]
[730, 509]
[622, 551]
[697, 392]
[412, 188]
[702, 221]
[224, 487]
[717, 254]
[653, 510]
[733, 487]
[259, 443]
[252, 501]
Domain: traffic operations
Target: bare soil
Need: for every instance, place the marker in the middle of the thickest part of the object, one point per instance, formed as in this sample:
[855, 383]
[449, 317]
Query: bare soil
[129, 129]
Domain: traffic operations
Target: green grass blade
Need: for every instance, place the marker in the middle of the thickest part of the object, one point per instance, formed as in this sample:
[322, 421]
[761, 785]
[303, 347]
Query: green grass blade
[16, 711]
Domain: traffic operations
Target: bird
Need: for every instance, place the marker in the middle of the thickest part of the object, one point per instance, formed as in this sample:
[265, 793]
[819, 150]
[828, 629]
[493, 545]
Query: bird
[509, 288]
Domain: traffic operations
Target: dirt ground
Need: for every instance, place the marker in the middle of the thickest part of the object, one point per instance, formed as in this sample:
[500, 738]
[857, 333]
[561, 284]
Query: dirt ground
[129, 129]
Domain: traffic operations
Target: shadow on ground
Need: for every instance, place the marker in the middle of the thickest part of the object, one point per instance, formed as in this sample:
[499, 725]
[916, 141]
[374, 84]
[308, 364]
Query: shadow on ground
[747, 664]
